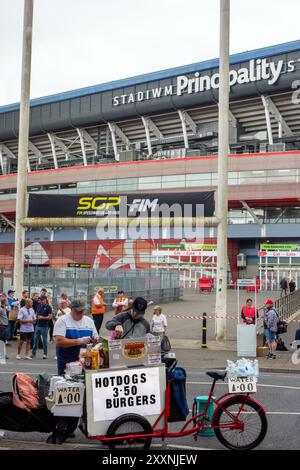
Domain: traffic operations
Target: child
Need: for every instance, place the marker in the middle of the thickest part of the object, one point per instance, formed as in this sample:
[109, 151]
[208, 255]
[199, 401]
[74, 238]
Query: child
[159, 322]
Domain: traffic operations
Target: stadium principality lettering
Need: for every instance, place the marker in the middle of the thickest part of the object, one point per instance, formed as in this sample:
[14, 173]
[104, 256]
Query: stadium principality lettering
[259, 69]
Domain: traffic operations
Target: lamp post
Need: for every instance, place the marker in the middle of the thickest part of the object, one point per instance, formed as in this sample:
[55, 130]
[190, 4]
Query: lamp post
[21, 201]
[222, 193]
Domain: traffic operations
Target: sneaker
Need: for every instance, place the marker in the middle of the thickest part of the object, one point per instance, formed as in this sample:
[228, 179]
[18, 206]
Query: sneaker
[268, 355]
[44, 356]
[273, 356]
[32, 356]
[29, 358]
[18, 357]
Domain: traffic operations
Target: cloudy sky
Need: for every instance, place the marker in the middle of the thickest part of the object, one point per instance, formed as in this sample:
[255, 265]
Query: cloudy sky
[78, 43]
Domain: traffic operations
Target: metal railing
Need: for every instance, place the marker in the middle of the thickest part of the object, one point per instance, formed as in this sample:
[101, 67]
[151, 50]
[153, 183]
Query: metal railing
[286, 306]
[157, 285]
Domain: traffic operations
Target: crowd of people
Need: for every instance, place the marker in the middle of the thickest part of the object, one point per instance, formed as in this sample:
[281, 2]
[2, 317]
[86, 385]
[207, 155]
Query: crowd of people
[34, 322]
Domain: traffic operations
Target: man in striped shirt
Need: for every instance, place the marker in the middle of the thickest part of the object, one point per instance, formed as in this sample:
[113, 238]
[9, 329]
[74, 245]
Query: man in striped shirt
[72, 332]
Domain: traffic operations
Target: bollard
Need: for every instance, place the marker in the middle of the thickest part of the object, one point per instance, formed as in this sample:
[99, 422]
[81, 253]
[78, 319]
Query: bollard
[204, 345]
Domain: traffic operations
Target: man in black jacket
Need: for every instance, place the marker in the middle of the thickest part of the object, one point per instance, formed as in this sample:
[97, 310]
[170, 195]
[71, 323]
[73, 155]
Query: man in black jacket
[131, 323]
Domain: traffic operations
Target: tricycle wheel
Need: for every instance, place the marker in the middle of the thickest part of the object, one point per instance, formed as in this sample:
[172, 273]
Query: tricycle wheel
[133, 425]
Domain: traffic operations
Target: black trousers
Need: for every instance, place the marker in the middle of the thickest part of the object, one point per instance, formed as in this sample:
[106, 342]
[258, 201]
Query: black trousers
[51, 327]
[98, 319]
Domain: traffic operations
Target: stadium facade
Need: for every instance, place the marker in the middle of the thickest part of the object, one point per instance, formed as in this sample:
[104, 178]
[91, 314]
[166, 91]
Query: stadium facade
[159, 133]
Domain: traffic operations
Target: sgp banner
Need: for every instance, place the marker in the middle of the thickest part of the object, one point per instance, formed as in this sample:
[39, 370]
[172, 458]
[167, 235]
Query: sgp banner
[127, 391]
[121, 205]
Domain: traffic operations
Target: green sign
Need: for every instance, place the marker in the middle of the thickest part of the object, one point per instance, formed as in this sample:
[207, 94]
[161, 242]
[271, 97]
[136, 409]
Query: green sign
[278, 247]
[200, 246]
[171, 246]
[108, 289]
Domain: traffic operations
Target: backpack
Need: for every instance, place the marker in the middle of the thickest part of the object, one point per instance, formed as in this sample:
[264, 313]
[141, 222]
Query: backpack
[25, 392]
[282, 327]
[280, 345]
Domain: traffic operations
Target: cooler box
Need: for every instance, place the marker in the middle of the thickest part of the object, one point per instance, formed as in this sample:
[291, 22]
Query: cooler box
[199, 407]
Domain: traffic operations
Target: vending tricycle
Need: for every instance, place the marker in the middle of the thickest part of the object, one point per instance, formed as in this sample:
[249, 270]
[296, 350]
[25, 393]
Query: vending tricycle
[133, 401]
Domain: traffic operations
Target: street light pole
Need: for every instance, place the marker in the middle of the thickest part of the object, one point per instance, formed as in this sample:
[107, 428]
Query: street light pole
[21, 201]
[222, 192]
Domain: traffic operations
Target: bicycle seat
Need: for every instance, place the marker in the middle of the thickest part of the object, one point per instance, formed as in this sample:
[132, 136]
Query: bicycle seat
[217, 375]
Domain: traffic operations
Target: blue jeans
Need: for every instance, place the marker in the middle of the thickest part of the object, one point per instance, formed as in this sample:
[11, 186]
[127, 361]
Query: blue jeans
[40, 331]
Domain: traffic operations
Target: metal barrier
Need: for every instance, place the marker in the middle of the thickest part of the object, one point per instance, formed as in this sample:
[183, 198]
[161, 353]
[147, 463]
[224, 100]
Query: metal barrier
[285, 306]
[156, 285]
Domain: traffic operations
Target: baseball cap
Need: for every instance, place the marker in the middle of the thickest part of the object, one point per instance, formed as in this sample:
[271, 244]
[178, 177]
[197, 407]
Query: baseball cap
[10, 291]
[78, 305]
[139, 305]
[120, 292]
[269, 302]
[43, 297]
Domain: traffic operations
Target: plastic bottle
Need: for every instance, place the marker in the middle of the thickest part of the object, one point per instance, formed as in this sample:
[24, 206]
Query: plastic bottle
[95, 359]
[88, 358]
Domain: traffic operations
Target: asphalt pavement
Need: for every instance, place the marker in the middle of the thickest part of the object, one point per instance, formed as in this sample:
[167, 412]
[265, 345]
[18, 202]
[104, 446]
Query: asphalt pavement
[279, 393]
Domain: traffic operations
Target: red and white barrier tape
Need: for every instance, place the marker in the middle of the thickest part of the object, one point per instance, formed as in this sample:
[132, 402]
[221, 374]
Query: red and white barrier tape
[210, 317]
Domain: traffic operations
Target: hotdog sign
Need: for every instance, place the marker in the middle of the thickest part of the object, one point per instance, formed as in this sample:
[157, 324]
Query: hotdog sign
[126, 391]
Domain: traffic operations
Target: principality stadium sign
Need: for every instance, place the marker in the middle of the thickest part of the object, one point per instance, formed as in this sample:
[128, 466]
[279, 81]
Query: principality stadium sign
[257, 70]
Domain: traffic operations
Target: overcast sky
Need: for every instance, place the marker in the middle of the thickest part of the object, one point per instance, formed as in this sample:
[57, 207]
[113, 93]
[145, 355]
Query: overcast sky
[78, 43]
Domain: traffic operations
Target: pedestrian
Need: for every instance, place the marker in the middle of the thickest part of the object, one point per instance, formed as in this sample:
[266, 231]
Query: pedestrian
[64, 296]
[73, 331]
[13, 307]
[248, 313]
[43, 316]
[25, 296]
[3, 320]
[27, 319]
[45, 293]
[35, 301]
[159, 323]
[120, 303]
[63, 309]
[292, 285]
[131, 323]
[271, 328]
[283, 286]
[98, 309]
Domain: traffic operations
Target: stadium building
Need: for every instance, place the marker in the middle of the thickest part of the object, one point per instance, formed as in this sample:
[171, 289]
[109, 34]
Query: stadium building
[158, 133]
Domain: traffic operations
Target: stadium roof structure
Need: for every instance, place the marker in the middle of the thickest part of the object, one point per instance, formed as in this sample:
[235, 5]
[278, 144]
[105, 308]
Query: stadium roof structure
[81, 126]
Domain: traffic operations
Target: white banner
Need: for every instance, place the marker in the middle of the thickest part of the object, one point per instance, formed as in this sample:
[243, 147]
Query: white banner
[246, 282]
[128, 391]
[210, 253]
[279, 254]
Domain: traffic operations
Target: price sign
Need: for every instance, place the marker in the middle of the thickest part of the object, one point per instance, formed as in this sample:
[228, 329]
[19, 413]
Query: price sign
[242, 385]
[71, 395]
[128, 391]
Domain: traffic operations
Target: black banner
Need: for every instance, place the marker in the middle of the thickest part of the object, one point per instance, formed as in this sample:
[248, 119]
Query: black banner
[122, 205]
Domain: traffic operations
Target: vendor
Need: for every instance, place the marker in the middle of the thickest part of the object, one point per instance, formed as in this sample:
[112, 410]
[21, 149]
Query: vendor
[131, 323]
[73, 331]
[248, 313]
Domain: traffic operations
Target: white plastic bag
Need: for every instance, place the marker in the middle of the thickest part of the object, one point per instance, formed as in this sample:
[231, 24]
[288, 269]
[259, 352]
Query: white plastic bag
[242, 368]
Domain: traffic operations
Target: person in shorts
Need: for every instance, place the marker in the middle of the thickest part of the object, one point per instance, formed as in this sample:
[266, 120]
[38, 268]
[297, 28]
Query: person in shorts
[271, 328]
[159, 322]
[27, 319]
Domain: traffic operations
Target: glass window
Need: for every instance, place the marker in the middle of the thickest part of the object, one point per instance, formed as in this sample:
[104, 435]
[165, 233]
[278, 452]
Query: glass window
[198, 179]
[233, 177]
[173, 181]
[150, 182]
[253, 177]
[127, 183]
